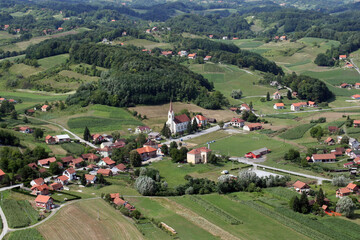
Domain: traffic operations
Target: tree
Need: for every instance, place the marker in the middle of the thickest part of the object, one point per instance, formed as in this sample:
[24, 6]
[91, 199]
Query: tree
[292, 154]
[268, 96]
[14, 115]
[194, 126]
[304, 203]
[87, 134]
[346, 206]
[340, 181]
[289, 95]
[213, 159]
[145, 185]
[251, 105]
[344, 140]
[115, 135]
[236, 94]
[245, 115]
[26, 120]
[101, 179]
[221, 124]
[165, 149]
[189, 128]
[173, 144]
[320, 197]
[61, 105]
[54, 168]
[38, 133]
[295, 204]
[135, 159]
[166, 132]
[135, 214]
[317, 132]
[83, 180]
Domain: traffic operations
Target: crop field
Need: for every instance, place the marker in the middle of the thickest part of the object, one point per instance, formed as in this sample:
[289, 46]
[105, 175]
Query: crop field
[19, 213]
[50, 62]
[80, 221]
[28, 234]
[297, 132]
[73, 148]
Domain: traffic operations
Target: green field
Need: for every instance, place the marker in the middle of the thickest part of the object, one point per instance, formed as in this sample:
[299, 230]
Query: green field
[73, 148]
[50, 62]
[28, 234]
[19, 213]
[297, 132]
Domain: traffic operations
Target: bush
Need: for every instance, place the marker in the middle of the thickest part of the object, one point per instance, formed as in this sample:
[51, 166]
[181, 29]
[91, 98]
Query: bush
[145, 186]
[340, 181]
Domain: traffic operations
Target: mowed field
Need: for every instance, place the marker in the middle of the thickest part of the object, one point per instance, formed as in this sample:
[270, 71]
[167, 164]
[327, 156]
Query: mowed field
[80, 221]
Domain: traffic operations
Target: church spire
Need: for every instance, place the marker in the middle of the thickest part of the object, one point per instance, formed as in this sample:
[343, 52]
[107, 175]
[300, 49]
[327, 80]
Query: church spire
[171, 108]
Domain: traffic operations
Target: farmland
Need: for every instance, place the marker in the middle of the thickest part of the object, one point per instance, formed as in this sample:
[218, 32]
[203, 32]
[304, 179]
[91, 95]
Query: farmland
[19, 213]
[79, 220]
[30, 234]
[297, 132]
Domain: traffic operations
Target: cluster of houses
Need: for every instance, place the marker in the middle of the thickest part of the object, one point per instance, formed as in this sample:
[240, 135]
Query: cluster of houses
[298, 106]
[2, 99]
[240, 123]
[347, 63]
[351, 188]
[281, 38]
[350, 86]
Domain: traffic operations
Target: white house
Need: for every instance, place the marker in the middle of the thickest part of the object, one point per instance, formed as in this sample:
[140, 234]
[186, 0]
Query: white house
[70, 173]
[183, 53]
[142, 129]
[244, 107]
[276, 96]
[237, 122]
[192, 56]
[279, 106]
[200, 120]
[177, 124]
[90, 178]
[297, 106]
[62, 138]
[353, 143]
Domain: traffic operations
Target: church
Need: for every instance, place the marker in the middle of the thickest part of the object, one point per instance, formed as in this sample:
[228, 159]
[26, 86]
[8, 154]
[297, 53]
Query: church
[177, 124]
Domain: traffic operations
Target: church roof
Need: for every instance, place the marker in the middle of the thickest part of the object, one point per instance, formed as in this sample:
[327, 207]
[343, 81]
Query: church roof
[181, 119]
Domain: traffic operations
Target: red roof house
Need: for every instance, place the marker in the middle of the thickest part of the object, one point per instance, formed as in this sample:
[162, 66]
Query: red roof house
[44, 202]
[104, 172]
[301, 186]
[147, 152]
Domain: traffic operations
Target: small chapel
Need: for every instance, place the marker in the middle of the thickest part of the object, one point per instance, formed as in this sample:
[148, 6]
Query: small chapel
[177, 124]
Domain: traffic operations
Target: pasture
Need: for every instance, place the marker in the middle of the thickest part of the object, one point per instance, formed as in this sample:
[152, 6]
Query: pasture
[50, 62]
[80, 221]
[297, 132]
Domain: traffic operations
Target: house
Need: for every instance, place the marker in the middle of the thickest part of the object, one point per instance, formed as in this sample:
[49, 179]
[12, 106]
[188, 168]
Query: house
[198, 155]
[177, 124]
[2, 174]
[341, 57]
[349, 65]
[357, 85]
[356, 96]
[106, 144]
[30, 111]
[50, 139]
[345, 85]
[108, 138]
[352, 187]
[62, 138]
[237, 122]
[106, 162]
[207, 58]
[200, 120]
[166, 53]
[357, 160]
[329, 141]
[104, 152]
[90, 157]
[342, 192]
[25, 130]
[67, 160]
[297, 106]
[353, 143]
[311, 104]
[120, 167]
[329, 157]
[44, 202]
[356, 123]
[64, 180]
[151, 143]
[38, 181]
[97, 138]
[233, 109]
[225, 38]
[349, 152]
[183, 53]
[148, 31]
[154, 135]
[46, 162]
[279, 106]
[40, 189]
[348, 164]
[192, 56]
[90, 178]
[276, 96]
[56, 186]
[33, 166]
[245, 107]
[118, 144]
[257, 153]
[104, 172]
[301, 187]
[211, 36]
[70, 173]
[333, 129]
[282, 38]
[91, 166]
[147, 152]
[76, 163]
[45, 108]
[339, 151]
[252, 126]
[294, 94]
[142, 129]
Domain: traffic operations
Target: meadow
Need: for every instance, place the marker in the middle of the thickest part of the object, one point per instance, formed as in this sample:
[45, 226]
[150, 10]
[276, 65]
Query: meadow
[297, 132]
[19, 213]
[73, 148]
[28, 234]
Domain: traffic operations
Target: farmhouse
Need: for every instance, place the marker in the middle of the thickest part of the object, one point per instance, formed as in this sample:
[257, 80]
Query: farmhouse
[147, 152]
[301, 187]
[237, 122]
[38, 181]
[64, 180]
[142, 129]
[56, 186]
[104, 152]
[46, 162]
[356, 96]
[44, 202]
[104, 172]
[342, 192]
[76, 163]
[348, 164]
[252, 126]
[119, 168]
[166, 53]
[356, 123]
[245, 107]
[44, 108]
[97, 138]
[311, 104]
[106, 162]
[200, 120]
[50, 139]
[40, 189]
[62, 138]
[183, 53]
[323, 158]
[345, 85]
[192, 56]
[70, 173]
[357, 85]
[279, 106]
[33, 166]
[329, 141]
[90, 178]
[257, 153]
[352, 187]
[198, 155]
[151, 143]
[341, 57]
[276, 96]
[177, 124]
[67, 160]
[25, 130]
[90, 157]
[207, 58]
[297, 106]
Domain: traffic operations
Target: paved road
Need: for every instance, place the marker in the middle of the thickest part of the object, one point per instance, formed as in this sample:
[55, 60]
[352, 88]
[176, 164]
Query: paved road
[356, 67]
[66, 130]
[4, 223]
[319, 179]
[10, 187]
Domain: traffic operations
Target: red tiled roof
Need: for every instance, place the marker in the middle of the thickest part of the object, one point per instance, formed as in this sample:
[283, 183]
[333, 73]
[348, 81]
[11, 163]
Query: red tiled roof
[42, 199]
[143, 128]
[63, 178]
[324, 156]
[329, 139]
[121, 167]
[90, 156]
[146, 149]
[108, 161]
[311, 103]
[355, 96]
[280, 104]
[299, 104]
[91, 166]
[40, 187]
[254, 125]
[181, 118]
[32, 165]
[118, 201]
[48, 137]
[77, 161]
[245, 106]
[67, 159]
[47, 161]
[104, 171]
[199, 150]
[71, 170]
[201, 117]
[39, 181]
[96, 136]
[357, 121]
[192, 55]
[114, 195]
[56, 186]
[351, 186]
[300, 185]
[237, 120]
[45, 106]
[2, 173]
[348, 164]
[342, 56]
[89, 177]
[343, 190]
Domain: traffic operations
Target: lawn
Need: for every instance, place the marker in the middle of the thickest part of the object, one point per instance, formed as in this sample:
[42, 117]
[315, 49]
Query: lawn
[19, 213]
[28, 234]
[80, 221]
